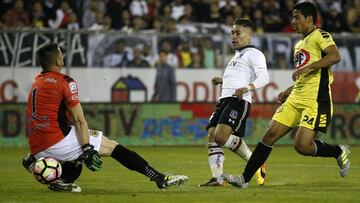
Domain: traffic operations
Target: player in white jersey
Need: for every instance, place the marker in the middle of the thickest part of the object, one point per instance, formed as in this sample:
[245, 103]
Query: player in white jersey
[245, 72]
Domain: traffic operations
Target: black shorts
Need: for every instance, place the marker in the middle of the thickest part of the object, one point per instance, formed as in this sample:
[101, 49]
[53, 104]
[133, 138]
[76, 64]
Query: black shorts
[232, 112]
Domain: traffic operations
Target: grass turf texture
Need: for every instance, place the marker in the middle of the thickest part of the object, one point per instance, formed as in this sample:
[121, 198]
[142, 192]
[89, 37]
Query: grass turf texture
[291, 178]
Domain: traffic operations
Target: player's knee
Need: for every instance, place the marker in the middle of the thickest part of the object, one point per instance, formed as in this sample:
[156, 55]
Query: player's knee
[302, 148]
[220, 138]
[107, 147]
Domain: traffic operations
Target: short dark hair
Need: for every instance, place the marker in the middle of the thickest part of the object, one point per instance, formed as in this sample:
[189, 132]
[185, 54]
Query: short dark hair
[46, 55]
[307, 9]
[244, 22]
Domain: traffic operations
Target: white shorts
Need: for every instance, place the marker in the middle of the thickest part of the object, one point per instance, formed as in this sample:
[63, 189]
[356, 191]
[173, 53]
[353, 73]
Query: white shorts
[69, 148]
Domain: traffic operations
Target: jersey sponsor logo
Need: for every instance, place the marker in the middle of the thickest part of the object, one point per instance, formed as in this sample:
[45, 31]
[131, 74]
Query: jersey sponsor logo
[301, 58]
[50, 80]
[73, 87]
[233, 114]
[232, 63]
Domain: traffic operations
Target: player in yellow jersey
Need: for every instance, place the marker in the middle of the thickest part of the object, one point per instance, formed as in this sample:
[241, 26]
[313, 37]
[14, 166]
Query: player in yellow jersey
[308, 103]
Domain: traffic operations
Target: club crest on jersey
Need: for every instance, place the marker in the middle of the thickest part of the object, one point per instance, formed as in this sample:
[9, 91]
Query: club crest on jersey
[233, 114]
[94, 133]
[301, 58]
[73, 87]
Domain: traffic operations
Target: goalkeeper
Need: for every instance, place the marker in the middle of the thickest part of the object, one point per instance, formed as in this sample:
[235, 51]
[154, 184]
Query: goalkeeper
[52, 101]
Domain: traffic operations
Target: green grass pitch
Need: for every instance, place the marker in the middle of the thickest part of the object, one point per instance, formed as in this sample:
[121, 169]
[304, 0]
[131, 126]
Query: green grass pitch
[291, 178]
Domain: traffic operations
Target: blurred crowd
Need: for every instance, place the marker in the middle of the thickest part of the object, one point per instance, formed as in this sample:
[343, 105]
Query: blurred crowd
[176, 16]
[170, 16]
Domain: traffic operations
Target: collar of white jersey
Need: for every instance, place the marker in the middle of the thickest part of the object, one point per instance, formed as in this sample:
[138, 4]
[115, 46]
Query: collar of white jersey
[244, 47]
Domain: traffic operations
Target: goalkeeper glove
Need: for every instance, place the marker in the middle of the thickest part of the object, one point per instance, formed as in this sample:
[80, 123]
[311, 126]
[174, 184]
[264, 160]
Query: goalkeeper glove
[91, 157]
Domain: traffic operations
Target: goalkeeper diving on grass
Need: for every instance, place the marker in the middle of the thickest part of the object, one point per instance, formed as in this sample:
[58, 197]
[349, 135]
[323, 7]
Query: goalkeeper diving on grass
[53, 100]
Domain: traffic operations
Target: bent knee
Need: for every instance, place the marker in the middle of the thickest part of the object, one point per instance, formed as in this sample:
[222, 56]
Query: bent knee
[303, 148]
[107, 146]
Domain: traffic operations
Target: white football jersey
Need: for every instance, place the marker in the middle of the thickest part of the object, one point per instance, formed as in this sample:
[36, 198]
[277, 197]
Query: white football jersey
[247, 66]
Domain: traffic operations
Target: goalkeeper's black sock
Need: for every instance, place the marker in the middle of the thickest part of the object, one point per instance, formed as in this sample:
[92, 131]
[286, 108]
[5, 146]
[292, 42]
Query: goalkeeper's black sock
[325, 150]
[135, 162]
[257, 159]
[71, 171]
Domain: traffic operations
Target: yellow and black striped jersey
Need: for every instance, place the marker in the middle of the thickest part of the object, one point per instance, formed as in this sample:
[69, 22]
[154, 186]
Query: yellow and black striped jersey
[314, 85]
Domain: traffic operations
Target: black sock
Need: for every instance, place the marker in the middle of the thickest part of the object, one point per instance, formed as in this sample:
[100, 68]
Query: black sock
[71, 171]
[325, 150]
[257, 159]
[133, 161]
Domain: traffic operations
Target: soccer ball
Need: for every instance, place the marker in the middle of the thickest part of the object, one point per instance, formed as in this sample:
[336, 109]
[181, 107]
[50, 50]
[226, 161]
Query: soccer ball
[47, 170]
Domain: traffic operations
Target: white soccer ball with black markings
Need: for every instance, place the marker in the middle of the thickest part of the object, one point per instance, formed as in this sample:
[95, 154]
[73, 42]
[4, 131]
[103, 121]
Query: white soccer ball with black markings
[47, 170]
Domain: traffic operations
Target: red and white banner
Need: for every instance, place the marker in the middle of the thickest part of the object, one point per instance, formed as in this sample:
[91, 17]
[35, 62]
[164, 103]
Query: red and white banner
[100, 85]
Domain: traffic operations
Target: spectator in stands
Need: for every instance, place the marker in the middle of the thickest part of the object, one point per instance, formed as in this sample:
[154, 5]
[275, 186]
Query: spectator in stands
[172, 59]
[196, 61]
[248, 8]
[125, 22]
[333, 20]
[177, 9]
[101, 4]
[286, 15]
[225, 8]
[166, 12]
[139, 8]
[184, 54]
[149, 56]
[186, 22]
[115, 9]
[165, 81]
[153, 9]
[49, 8]
[170, 26]
[209, 54]
[37, 16]
[90, 13]
[238, 11]
[16, 17]
[189, 15]
[98, 24]
[226, 27]
[272, 17]
[138, 24]
[258, 21]
[156, 26]
[138, 61]
[61, 16]
[353, 17]
[120, 58]
[215, 16]
[73, 23]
